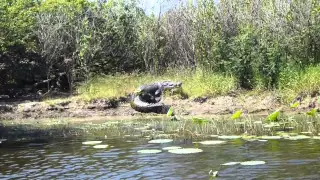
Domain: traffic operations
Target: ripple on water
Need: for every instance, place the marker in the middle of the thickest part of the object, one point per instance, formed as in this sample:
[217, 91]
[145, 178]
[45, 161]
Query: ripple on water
[68, 161]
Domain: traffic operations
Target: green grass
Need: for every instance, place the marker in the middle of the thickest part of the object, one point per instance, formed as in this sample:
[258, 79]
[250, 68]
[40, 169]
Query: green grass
[294, 82]
[198, 83]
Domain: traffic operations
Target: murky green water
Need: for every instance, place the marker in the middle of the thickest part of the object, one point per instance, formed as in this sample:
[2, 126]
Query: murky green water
[69, 159]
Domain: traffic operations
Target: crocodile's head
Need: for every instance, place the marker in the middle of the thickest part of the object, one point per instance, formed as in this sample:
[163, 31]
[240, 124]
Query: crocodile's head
[171, 85]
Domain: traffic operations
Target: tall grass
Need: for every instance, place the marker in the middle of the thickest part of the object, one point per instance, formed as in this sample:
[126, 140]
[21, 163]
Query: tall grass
[294, 82]
[195, 83]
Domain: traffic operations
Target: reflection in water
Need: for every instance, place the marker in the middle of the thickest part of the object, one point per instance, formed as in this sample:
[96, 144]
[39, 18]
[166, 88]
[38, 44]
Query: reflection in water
[69, 159]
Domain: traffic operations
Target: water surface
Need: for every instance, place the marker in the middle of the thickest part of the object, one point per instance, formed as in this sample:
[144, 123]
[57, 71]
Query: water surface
[69, 159]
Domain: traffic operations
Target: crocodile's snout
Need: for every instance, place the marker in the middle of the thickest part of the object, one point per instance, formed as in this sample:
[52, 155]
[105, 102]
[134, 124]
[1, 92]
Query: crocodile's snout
[179, 84]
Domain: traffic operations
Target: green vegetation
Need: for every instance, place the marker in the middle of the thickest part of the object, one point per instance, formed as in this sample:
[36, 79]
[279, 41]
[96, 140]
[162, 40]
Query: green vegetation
[248, 128]
[195, 84]
[250, 44]
[294, 82]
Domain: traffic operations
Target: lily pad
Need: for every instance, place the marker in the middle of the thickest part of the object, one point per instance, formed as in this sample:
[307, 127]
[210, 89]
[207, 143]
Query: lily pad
[149, 151]
[101, 146]
[229, 137]
[245, 137]
[214, 136]
[306, 132]
[271, 137]
[160, 141]
[316, 137]
[251, 140]
[212, 142]
[299, 137]
[91, 142]
[171, 148]
[252, 163]
[185, 151]
[262, 140]
[230, 163]
[284, 135]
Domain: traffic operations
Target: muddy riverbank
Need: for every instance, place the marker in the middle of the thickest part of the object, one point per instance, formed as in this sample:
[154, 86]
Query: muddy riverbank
[258, 104]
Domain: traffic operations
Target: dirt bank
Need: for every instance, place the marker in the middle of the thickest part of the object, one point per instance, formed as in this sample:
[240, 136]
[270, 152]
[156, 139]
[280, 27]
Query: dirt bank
[261, 103]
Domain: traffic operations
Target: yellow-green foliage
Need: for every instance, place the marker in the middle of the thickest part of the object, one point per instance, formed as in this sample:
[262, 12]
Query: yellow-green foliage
[293, 82]
[197, 83]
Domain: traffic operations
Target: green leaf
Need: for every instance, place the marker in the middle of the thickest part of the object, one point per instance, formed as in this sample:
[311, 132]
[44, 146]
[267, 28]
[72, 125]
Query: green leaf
[236, 115]
[313, 112]
[170, 112]
[274, 116]
[295, 105]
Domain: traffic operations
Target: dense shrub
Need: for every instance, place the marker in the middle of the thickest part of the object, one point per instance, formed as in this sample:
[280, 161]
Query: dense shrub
[254, 41]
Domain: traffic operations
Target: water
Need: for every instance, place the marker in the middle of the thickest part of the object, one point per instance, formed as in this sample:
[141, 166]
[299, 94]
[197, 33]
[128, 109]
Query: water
[69, 159]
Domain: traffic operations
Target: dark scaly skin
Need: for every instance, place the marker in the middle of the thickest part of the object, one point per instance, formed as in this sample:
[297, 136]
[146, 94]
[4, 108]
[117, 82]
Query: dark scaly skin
[150, 95]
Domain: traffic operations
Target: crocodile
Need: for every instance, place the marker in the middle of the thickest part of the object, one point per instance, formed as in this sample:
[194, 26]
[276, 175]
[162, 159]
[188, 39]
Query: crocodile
[149, 97]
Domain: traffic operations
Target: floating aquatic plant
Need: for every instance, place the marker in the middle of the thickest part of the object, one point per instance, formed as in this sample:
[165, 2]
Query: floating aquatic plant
[91, 142]
[214, 136]
[101, 146]
[307, 132]
[262, 140]
[229, 137]
[185, 151]
[149, 151]
[299, 137]
[171, 148]
[212, 142]
[270, 137]
[252, 163]
[160, 141]
[246, 137]
[316, 137]
[230, 163]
